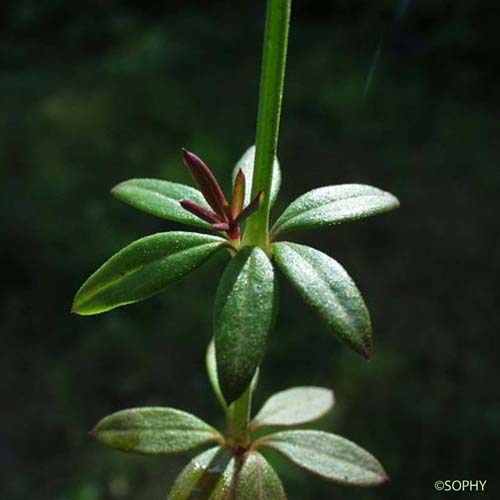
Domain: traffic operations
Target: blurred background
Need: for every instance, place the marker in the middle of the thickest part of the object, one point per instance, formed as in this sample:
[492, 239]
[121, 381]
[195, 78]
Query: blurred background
[399, 94]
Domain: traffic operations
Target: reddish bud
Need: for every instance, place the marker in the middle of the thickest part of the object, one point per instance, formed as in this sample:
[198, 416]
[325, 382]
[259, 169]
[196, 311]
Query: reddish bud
[207, 183]
[238, 198]
[220, 226]
[199, 211]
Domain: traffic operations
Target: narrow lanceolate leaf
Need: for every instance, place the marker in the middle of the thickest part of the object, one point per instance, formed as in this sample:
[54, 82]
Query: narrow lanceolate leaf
[144, 268]
[207, 183]
[257, 480]
[161, 198]
[328, 289]
[238, 199]
[243, 315]
[201, 212]
[211, 364]
[331, 205]
[295, 406]
[206, 477]
[246, 164]
[154, 431]
[331, 457]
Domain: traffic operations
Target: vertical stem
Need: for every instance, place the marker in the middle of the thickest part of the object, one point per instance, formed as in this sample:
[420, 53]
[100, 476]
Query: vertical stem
[238, 416]
[268, 117]
[268, 121]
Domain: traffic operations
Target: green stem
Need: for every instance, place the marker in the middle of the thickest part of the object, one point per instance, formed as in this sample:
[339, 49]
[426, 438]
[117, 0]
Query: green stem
[268, 118]
[238, 417]
[268, 121]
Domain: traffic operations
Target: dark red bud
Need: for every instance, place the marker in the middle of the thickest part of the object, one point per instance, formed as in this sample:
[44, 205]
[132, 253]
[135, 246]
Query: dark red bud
[220, 226]
[238, 198]
[207, 183]
[234, 232]
[199, 211]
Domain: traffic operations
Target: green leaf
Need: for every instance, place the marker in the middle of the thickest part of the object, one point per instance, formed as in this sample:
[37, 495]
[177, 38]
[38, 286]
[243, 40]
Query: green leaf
[246, 164]
[257, 480]
[216, 475]
[154, 431]
[143, 269]
[211, 363]
[244, 311]
[161, 198]
[328, 289]
[295, 406]
[255, 380]
[207, 476]
[327, 455]
[331, 205]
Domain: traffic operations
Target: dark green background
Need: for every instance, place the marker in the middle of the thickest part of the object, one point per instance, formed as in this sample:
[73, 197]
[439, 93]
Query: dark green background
[95, 92]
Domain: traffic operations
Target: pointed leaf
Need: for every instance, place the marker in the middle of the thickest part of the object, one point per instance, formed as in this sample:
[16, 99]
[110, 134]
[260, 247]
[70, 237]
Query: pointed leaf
[200, 212]
[220, 226]
[206, 477]
[207, 183]
[144, 268]
[331, 457]
[257, 480]
[331, 205]
[246, 164]
[328, 289]
[238, 199]
[161, 198]
[211, 364]
[243, 315]
[295, 406]
[255, 380]
[154, 431]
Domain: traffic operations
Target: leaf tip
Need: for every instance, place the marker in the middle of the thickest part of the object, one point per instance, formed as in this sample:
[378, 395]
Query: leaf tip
[365, 346]
[79, 307]
[240, 175]
[383, 478]
[190, 159]
[116, 189]
[366, 352]
[75, 306]
[394, 204]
